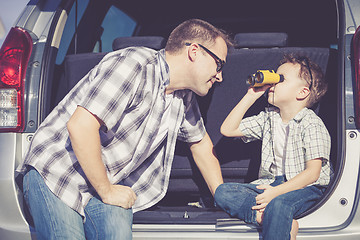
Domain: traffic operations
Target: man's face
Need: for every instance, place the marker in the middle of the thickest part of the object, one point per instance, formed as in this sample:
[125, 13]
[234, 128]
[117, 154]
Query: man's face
[208, 66]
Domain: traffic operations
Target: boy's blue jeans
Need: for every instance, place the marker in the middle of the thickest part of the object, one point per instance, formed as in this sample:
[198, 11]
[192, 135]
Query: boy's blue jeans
[53, 219]
[237, 199]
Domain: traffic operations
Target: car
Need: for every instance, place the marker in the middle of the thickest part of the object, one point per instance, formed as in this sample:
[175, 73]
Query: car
[53, 44]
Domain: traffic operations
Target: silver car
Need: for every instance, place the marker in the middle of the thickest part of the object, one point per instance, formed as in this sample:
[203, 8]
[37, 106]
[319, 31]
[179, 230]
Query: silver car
[54, 44]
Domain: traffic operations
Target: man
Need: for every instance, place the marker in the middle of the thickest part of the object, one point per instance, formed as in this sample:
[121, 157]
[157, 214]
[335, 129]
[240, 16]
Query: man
[106, 150]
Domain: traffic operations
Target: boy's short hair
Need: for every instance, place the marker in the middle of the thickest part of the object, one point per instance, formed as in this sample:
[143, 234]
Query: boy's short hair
[194, 31]
[318, 85]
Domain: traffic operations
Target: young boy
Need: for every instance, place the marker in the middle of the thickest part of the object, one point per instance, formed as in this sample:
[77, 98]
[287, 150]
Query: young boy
[295, 167]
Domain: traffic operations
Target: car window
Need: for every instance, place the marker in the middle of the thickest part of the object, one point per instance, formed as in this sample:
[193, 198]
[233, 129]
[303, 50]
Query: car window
[69, 29]
[116, 24]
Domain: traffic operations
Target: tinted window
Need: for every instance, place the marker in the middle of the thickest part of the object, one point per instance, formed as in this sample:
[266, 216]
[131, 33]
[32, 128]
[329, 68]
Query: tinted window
[116, 24]
[69, 30]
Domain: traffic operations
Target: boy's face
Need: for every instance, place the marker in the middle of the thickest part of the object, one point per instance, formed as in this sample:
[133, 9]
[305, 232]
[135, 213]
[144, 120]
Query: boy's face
[286, 93]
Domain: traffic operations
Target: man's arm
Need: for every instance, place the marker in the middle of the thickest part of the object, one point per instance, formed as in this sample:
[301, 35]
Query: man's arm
[204, 155]
[84, 135]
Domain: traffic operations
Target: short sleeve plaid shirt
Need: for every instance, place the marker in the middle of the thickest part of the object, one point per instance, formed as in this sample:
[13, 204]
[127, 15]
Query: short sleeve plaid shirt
[308, 139]
[126, 90]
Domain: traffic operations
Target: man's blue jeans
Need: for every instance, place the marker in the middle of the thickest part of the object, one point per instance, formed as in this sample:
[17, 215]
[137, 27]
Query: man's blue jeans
[53, 219]
[237, 199]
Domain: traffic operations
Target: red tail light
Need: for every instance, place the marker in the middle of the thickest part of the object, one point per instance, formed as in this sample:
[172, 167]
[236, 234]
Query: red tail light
[14, 57]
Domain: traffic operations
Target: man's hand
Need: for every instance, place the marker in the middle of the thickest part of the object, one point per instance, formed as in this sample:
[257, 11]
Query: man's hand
[83, 129]
[119, 195]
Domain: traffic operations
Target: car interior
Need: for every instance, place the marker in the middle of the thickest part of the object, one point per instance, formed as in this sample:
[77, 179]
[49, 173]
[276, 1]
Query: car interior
[259, 45]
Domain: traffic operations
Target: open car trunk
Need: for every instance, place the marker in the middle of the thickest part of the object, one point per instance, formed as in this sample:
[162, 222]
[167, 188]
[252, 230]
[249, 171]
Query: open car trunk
[188, 199]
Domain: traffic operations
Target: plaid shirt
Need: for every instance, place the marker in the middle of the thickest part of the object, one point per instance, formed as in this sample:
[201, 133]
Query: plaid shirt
[308, 139]
[126, 90]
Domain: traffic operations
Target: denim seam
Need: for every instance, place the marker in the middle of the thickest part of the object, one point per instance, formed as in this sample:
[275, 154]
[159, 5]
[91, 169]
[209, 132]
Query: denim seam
[90, 219]
[26, 188]
[292, 219]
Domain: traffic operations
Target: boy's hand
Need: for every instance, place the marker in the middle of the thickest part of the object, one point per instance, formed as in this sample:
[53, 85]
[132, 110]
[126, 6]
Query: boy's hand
[263, 199]
[257, 92]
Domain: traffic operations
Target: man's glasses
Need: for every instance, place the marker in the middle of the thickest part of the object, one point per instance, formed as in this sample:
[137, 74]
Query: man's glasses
[219, 63]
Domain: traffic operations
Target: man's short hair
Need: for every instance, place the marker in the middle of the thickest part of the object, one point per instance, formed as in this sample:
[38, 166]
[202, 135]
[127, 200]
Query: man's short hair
[317, 85]
[194, 31]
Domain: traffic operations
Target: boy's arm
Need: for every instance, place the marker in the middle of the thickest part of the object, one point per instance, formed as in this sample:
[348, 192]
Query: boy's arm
[303, 179]
[230, 126]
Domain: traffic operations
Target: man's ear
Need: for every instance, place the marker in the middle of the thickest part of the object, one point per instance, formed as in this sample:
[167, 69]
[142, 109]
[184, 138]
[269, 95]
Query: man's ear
[303, 93]
[192, 52]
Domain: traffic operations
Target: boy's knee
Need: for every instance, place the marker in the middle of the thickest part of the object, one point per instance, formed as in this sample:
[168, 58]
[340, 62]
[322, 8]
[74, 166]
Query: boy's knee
[278, 206]
[276, 203]
[220, 195]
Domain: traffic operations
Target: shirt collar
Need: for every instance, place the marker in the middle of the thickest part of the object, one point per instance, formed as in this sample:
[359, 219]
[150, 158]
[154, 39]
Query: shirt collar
[298, 117]
[164, 68]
